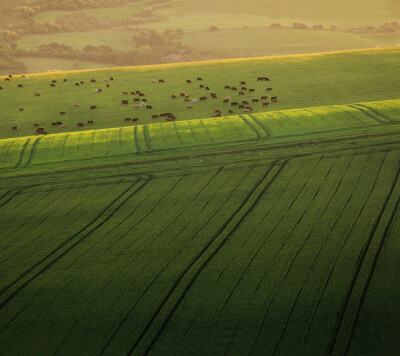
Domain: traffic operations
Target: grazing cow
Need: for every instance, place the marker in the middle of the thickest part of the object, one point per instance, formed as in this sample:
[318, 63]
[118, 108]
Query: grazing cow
[214, 96]
[65, 80]
[173, 96]
[265, 104]
[43, 132]
[7, 79]
[62, 112]
[144, 100]
[242, 83]
[93, 80]
[40, 130]
[142, 103]
[207, 88]
[135, 119]
[127, 119]
[217, 111]
[234, 88]
[133, 93]
[37, 94]
[52, 85]
[201, 86]
[188, 81]
[80, 124]
[226, 100]
[255, 100]
[21, 109]
[108, 85]
[241, 93]
[217, 115]
[20, 86]
[187, 100]
[154, 116]
[90, 122]
[105, 80]
[141, 94]
[252, 90]
[136, 106]
[245, 102]
[76, 106]
[161, 80]
[203, 98]
[169, 119]
[124, 102]
[199, 79]
[230, 111]
[241, 107]
[149, 107]
[97, 90]
[247, 110]
[182, 94]
[274, 100]
[274, 97]
[82, 82]
[77, 84]
[154, 81]
[111, 78]
[234, 103]
[194, 101]
[268, 89]
[1, 88]
[137, 92]
[15, 128]
[35, 124]
[189, 107]
[136, 99]
[53, 124]
[59, 123]
[227, 87]
[125, 93]
[243, 88]
[63, 127]
[10, 76]
[54, 81]
[93, 107]
[264, 97]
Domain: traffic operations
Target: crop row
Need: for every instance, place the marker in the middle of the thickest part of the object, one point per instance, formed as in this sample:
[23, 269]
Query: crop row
[142, 139]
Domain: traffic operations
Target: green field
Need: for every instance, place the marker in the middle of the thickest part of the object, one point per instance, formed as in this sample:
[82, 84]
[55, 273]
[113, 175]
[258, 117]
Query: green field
[253, 248]
[259, 233]
[298, 81]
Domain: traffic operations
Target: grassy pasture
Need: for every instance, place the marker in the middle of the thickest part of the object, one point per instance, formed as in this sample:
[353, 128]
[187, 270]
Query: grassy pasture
[130, 143]
[298, 81]
[248, 253]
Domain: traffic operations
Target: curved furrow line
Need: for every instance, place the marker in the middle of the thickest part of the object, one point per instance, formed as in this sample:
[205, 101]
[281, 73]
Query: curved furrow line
[376, 112]
[250, 125]
[359, 264]
[365, 111]
[207, 260]
[32, 152]
[257, 121]
[146, 137]
[101, 222]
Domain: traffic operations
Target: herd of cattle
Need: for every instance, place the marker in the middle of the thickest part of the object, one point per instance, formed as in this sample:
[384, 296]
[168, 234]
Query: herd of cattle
[139, 100]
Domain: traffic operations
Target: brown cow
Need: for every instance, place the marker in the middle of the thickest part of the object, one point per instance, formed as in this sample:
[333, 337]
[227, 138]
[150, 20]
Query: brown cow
[62, 112]
[108, 85]
[136, 106]
[93, 107]
[125, 93]
[245, 102]
[255, 100]
[268, 89]
[7, 79]
[188, 81]
[76, 106]
[92, 80]
[252, 90]
[136, 99]
[230, 111]
[53, 124]
[124, 102]
[21, 109]
[154, 116]
[65, 80]
[135, 119]
[82, 82]
[161, 80]
[54, 81]
[242, 83]
[63, 127]
[127, 119]
[234, 103]
[201, 86]
[233, 88]
[243, 88]
[265, 104]
[264, 97]
[36, 124]
[149, 107]
[80, 124]
[20, 86]
[189, 107]
[52, 85]
[15, 128]
[173, 96]
[77, 84]
[40, 129]
[37, 94]
[227, 87]
[199, 79]
[241, 93]
[90, 122]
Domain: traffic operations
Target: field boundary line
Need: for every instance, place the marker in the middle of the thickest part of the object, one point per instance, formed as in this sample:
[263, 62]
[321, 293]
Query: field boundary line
[359, 265]
[207, 259]
[125, 196]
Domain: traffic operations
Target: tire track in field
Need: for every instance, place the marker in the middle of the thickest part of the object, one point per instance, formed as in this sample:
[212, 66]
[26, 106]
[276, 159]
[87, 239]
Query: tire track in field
[349, 113]
[97, 222]
[22, 153]
[359, 265]
[316, 258]
[15, 191]
[178, 134]
[205, 249]
[136, 140]
[263, 277]
[365, 111]
[376, 112]
[257, 121]
[146, 137]
[33, 149]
